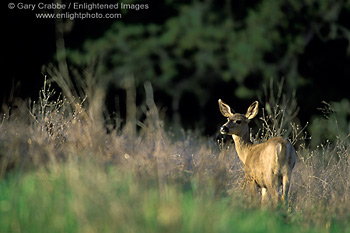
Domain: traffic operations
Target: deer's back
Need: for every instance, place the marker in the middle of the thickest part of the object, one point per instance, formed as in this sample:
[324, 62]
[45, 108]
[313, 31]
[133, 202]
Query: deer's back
[268, 159]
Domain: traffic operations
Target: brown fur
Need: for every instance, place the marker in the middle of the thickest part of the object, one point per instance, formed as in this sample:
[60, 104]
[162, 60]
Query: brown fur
[267, 165]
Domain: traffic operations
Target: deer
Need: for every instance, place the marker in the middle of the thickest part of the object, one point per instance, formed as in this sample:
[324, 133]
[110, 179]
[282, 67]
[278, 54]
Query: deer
[267, 165]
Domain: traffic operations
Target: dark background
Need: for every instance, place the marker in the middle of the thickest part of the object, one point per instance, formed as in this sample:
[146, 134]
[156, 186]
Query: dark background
[193, 53]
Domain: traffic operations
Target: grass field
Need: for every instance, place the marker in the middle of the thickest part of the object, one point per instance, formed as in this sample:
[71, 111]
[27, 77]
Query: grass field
[61, 172]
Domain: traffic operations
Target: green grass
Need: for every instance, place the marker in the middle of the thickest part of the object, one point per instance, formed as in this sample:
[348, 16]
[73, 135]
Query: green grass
[88, 198]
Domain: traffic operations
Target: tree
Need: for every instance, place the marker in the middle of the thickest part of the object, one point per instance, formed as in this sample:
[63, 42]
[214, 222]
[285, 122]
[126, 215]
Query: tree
[203, 44]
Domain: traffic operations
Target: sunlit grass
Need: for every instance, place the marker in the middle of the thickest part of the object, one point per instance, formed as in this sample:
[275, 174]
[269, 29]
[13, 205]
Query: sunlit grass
[61, 172]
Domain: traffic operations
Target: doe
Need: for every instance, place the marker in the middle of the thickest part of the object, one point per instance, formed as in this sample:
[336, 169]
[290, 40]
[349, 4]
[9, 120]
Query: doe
[267, 165]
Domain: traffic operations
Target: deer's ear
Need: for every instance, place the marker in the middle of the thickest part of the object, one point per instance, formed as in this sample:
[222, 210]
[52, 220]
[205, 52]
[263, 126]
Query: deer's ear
[225, 109]
[252, 110]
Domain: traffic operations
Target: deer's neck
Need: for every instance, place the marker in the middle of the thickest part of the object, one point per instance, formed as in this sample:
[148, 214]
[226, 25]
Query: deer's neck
[243, 145]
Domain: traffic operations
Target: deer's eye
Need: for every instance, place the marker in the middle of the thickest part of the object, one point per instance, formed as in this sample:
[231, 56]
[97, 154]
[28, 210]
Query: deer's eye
[238, 122]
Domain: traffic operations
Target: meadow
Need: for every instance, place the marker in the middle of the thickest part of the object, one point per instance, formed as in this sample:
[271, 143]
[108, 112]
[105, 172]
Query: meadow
[61, 170]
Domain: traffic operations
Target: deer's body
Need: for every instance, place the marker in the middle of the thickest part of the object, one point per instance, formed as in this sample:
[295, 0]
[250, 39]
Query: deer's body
[267, 165]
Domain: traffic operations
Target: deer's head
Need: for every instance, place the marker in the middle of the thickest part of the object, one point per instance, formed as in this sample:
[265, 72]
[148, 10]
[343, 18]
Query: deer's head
[237, 124]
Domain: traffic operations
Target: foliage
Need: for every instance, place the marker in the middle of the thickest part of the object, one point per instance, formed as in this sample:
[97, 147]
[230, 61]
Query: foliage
[202, 44]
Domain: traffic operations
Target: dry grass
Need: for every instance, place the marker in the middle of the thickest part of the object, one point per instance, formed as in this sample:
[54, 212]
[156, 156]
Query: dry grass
[55, 133]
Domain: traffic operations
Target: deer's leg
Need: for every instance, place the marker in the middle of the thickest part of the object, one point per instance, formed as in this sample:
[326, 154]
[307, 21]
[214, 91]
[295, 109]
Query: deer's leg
[253, 191]
[264, 196]
[286, 184]
[273, 190]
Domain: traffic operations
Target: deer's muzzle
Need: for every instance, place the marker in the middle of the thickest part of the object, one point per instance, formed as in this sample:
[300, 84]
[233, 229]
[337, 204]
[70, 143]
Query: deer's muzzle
[224, 130]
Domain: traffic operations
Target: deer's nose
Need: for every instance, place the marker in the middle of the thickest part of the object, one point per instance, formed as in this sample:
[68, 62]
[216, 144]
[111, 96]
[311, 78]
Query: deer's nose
[224, 130]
